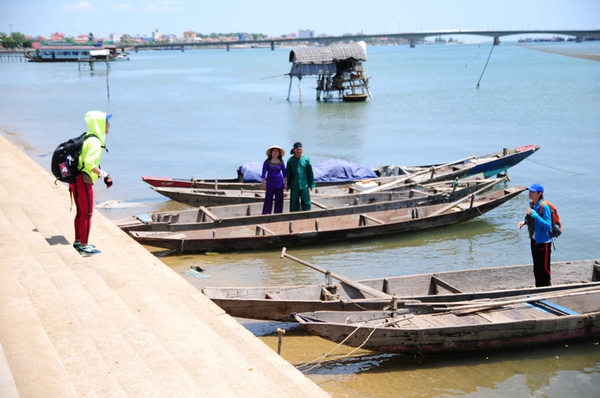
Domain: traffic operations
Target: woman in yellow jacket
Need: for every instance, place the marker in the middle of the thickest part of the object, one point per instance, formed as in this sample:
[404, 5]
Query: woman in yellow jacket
[82, 189]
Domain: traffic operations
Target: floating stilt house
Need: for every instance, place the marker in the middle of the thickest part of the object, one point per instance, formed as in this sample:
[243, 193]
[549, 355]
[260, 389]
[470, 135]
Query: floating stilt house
[339, 71]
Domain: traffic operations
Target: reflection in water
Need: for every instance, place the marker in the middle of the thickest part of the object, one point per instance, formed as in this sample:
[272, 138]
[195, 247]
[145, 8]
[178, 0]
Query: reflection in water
[557, 371]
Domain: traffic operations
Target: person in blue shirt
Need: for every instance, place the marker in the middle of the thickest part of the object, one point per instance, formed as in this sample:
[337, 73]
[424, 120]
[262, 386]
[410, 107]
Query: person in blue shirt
[539, 223]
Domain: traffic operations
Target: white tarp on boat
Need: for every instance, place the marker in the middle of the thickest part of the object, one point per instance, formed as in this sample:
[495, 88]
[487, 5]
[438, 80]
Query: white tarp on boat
[97, 53]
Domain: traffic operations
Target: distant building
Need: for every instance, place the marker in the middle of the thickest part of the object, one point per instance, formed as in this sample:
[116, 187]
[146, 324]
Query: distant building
[189, 34]
[57, 36]
[81, 39]
[245, 36]
[306, 34]
[156, 35]
[115, 38]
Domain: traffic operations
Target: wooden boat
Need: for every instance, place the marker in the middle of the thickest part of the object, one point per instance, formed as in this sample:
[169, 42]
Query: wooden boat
[491, 165]
[323, 206]
[331, 172]
[360, 97]
[215, 184]
[70, 53]
[229, 183]
[276, 303]
[561, 315]
[399, 189]
[326, 229]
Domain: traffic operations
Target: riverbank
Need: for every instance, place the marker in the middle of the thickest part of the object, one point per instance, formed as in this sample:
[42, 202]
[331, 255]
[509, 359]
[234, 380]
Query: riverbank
[574, 53]
[120, 323]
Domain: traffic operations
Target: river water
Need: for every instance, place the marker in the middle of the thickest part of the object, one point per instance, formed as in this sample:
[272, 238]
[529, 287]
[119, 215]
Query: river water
[203, 113]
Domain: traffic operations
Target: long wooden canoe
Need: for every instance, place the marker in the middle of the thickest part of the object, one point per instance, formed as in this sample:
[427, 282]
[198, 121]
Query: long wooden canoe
[215, 184]
[225, 197]
[327, 229]
[402, 187]
[561, 315]
[323, 206]
[276, 303]
[491, 165]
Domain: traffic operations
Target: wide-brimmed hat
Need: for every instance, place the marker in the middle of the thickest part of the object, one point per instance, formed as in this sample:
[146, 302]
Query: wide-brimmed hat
[281, 151]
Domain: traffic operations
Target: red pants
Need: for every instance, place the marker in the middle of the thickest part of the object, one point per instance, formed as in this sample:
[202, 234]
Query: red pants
[83, 194]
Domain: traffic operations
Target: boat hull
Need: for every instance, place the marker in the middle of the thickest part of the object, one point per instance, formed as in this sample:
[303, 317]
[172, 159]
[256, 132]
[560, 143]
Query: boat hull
[559, 316]
[325, 206]
[463, 339]
[503, 162]
[257, 237]
[278, 303]
[499, 164]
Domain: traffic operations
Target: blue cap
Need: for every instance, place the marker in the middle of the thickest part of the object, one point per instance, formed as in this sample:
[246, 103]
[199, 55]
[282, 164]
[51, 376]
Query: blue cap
[536, 188]
[108, 116]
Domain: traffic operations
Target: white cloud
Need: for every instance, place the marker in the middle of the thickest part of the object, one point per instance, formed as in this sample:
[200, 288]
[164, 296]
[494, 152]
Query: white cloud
[84, 5]
[165, 6]
[156, 6]
[122, 7]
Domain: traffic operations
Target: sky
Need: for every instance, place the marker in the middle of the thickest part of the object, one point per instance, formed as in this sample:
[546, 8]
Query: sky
[278, 17]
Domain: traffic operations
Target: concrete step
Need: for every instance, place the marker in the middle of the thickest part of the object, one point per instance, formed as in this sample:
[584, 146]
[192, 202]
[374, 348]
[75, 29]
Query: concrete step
[193, 305]
[119, 359]
[41, 373]
[8, 388]
[120, 323]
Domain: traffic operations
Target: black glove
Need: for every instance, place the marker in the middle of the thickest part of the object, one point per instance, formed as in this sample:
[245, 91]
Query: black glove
[108, 181]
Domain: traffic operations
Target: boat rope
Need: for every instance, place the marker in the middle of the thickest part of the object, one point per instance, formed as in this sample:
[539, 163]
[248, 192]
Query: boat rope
[486, 64]
[319, 361]
[466, 65]
[555, 168]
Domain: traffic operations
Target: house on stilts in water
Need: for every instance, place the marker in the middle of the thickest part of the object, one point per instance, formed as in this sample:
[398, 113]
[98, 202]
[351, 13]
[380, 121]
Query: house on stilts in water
[339, 71]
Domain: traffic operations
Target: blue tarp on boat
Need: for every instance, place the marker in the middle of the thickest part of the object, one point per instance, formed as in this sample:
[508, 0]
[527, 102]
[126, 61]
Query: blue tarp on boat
[333, 170]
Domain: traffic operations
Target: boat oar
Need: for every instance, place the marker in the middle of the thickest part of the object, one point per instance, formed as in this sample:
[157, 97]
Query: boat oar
[451, 205]
[413, 175]
[468, 308]
[363, 288]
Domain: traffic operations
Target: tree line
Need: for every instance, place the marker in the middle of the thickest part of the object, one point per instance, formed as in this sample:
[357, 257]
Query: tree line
[15, 40]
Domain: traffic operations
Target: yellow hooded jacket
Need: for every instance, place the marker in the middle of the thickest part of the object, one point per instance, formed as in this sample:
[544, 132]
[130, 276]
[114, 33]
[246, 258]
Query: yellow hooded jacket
[91, 152]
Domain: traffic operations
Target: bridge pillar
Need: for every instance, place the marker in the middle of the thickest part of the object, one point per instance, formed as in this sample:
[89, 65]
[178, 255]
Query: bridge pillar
[227, 46]
[182, 49]
[136, 49]
[272, 46]
[496, 40]
[578, 39]
[412, 43]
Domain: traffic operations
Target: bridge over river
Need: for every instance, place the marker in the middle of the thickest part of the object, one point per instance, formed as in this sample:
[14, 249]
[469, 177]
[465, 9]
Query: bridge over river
[412, 37]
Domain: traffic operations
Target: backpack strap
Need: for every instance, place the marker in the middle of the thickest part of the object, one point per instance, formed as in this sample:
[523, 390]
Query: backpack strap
[542, 207]
[544, 202]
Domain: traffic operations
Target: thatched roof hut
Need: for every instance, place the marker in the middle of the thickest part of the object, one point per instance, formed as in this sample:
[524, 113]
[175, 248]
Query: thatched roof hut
[338, 68]
[325, 60]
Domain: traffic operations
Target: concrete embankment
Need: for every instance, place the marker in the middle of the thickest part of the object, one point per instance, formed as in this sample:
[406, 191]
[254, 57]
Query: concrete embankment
[119, 323]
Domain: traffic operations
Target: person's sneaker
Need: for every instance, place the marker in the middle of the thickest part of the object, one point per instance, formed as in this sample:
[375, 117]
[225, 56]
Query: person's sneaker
[87, 249]
[77, 245]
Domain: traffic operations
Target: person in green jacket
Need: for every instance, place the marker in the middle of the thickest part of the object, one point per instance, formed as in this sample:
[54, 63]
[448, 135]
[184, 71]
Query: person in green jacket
[89, 164]
[300, 179]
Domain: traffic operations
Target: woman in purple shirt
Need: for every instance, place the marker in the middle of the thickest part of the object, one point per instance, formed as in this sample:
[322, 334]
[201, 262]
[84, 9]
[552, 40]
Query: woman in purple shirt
[274, 179]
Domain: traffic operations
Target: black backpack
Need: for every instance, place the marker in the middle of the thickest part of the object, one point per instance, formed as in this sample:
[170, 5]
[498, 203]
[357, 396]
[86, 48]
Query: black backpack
[65, 160]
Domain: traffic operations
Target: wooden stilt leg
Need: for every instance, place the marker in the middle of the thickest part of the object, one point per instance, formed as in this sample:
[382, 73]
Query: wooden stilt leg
[290, 89]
